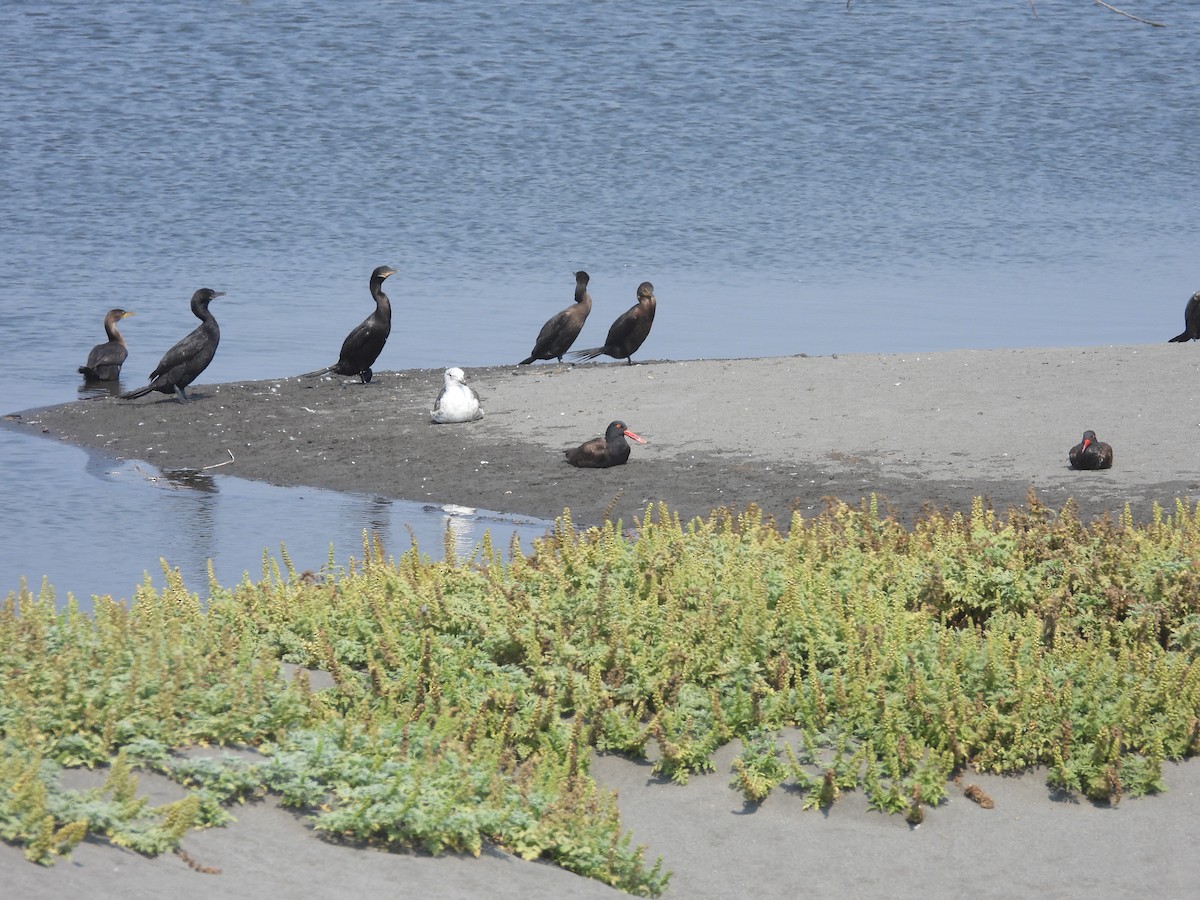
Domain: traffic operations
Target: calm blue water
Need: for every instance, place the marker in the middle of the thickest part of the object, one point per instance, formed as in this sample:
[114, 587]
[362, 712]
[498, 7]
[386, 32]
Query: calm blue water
[792, 177]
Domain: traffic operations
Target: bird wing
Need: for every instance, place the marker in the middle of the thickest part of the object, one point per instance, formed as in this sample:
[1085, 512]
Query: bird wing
[181, 353]
[110, 353]
[359, 335]
[621, 329]
[437, 404]
[551, 328]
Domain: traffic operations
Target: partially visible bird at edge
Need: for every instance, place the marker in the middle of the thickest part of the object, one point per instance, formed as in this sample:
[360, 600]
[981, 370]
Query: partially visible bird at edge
[364, 344]
[1191, 321]
[184, 362]
[559, 333]
[105, 361]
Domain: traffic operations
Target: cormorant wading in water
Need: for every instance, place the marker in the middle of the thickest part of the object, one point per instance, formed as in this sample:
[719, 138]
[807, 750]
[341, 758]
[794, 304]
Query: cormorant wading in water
[105, 360]
[184, 362]
[364, 344]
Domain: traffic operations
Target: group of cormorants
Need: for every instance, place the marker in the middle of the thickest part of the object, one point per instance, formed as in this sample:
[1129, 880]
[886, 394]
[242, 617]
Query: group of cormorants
[625, 335]
[457, 402]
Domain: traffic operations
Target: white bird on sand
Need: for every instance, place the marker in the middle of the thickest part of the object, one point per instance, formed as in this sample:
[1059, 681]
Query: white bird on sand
[456, 402]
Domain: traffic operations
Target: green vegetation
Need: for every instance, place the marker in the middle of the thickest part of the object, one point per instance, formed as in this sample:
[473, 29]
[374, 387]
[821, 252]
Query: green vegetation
[468, 694]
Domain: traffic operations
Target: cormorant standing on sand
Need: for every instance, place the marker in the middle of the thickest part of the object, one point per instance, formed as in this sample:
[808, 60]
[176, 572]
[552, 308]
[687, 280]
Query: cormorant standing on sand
[364, 344]
[600, 453]
[558, 334]
[1091, 453]
[105, 360]
[1191, 321]
[627, 333]
[181, 365]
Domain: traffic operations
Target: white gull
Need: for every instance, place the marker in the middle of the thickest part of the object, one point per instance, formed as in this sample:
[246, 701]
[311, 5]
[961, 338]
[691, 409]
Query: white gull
[457, 402]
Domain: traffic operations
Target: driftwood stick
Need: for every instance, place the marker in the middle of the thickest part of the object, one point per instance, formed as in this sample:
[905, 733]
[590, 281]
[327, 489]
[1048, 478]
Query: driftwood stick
[227, 462]
[1108, 6]
[1131, 15]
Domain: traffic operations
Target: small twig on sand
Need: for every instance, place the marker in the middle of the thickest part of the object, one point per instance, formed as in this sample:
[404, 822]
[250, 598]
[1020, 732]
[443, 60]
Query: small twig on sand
[218, 465]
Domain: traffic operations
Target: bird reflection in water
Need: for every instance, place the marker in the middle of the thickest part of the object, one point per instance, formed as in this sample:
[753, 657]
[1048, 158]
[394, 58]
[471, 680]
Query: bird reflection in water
[460, 524]
[91, 390]
[191, 479]
[378, 516]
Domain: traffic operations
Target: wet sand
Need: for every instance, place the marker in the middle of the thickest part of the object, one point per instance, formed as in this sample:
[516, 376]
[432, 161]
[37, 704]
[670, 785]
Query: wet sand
[785, 433]
[915, 429]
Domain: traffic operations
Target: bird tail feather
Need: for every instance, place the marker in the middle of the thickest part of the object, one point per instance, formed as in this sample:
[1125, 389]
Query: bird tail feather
[324, 371]
[1178, 338]
[587, 354]
[140, 392]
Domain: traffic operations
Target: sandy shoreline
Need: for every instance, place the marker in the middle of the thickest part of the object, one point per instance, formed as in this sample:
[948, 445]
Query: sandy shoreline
[785, 432]
[916, 428]
[717, 847]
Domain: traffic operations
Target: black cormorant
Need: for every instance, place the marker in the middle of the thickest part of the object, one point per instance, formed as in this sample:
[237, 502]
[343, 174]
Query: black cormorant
[629, 331]
[1191, 321]
[104, 362]
[558, 334]
[184, 362]
[364, 344]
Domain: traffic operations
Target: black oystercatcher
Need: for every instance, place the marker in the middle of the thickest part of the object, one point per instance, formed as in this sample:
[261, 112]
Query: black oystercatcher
[558, 334]
[1091, 453]
[184, 362]
[600, 453]
[1191, 321]
[629, 331]
[364, 344]
[105, 360]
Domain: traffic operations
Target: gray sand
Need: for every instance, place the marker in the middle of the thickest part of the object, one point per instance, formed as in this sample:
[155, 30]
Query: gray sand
[1029, 845]
[917, 429]
[785, 433]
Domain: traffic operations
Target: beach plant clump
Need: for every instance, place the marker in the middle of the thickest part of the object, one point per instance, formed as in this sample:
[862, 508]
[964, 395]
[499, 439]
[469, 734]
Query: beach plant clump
[847, 653]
